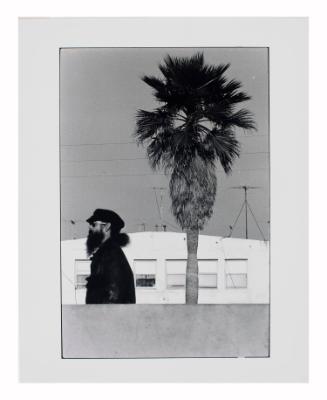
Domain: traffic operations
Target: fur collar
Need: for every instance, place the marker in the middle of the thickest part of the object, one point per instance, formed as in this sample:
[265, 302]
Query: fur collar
[120, 239]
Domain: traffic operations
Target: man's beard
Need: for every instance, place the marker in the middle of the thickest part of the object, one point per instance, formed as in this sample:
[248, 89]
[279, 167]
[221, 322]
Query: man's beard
[94, 239]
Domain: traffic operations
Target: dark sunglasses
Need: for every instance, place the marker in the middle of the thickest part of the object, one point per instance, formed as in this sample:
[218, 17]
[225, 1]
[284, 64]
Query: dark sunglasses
[97, 223]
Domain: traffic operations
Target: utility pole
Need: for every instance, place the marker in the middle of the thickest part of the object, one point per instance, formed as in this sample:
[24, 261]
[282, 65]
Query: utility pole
[247, 207]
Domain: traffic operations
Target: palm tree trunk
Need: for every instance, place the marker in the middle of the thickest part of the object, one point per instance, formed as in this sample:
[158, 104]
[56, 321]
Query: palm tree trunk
[192, 278]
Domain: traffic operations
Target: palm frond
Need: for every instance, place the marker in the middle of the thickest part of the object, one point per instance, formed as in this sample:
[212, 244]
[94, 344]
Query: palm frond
[242, 119]
[232, 86]
[155, 83]
[160, 88]
[148, 123]
[217, 112]
[160, 153]
[225, 146]
[238, 97]
[232, 92]
[218, 70]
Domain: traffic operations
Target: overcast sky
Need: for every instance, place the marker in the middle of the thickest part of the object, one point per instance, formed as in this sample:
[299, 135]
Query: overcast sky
[101, 165]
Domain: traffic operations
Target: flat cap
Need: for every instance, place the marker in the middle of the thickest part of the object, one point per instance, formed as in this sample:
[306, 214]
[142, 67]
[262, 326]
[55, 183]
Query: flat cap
[103, 215]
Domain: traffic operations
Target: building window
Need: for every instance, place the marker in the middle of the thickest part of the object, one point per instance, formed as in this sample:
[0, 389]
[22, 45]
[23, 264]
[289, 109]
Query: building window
[145, 273]
[80, 282]
[208, 274]
[176, 274]
[176, 281]
[236, 274]
[236, 281]
[207, 281]
[145, 280]
[82, 271]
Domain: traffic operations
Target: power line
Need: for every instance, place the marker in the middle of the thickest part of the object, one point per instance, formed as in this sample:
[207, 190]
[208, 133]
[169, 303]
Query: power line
[152, 174]
[142, 158]
[247, 169]
[133, 142]
[250, 136]
[74, 221]
[254, 152]
[109, 175]
[106, 160]
[95, 144]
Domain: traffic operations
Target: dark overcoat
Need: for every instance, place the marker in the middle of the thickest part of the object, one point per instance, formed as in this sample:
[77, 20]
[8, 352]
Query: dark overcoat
[111, 279]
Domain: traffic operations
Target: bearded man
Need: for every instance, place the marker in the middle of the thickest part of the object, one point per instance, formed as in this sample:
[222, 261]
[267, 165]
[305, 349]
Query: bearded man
[111, 279]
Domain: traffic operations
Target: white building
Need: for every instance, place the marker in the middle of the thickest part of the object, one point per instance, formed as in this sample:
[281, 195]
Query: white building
[231, 271]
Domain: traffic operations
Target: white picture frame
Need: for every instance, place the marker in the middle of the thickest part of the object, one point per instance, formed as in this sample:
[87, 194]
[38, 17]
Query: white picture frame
[40, 330]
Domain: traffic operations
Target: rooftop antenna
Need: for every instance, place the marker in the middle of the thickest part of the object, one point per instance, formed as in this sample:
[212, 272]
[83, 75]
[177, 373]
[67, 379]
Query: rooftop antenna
[160, 205]
[247, 207]
[73, 223]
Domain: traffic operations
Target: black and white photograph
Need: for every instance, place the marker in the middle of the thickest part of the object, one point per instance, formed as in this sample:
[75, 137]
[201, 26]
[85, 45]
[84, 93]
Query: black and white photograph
[163, 199]
[164, 202]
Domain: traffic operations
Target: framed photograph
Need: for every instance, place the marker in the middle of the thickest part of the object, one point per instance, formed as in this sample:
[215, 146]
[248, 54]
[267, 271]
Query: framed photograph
[169, 247]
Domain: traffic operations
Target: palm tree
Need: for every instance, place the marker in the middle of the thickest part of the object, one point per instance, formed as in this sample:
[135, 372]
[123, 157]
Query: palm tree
[192, 129]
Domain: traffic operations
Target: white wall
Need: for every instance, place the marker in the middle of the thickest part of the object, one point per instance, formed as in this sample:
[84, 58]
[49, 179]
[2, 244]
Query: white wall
[142, 331]
[165, 246]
